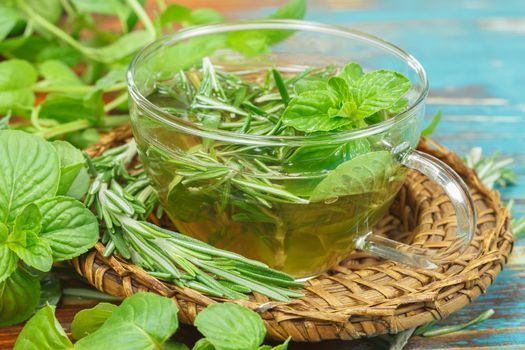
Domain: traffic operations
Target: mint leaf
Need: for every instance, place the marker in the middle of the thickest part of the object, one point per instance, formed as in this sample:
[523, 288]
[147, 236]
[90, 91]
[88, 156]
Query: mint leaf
[19, 296]
[308, 112]
[351, 72]
[56, 73]
[26, 243]
[29, 171]
[230, 326]
[68, 226]
[203, 344]
[309, 85]
[125, 46]
[340, 87]
[8, 259]
[16, 80]
[43, 332]
[324, 157]
[204, 16]
[90, 320]
[142, 321]
[74, 177]
[378, 90]
[66, 107]
[8, 20]
[370, 172]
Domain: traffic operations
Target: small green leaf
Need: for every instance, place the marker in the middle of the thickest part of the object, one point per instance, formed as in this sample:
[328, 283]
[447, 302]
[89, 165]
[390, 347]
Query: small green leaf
[309, 85]
[142, 321]
[204, 16]
[203, 344]
[68, 226]
[16, 80]
[378, 90]
[43, 332]
[169, 345]
[125, 46]
[370, 172]
[175, 13]
[29, 171]
[19, 296]
[351, 72]
[324, 157]
[8, 20]
[432, 126]
[114, 76]
[90, 320]
[74, 177]
[283, 346]
[56, 73]
[8, 259]
[340, 87]
[308, 112]
[230, 326]
[66, 108]
[26, 243]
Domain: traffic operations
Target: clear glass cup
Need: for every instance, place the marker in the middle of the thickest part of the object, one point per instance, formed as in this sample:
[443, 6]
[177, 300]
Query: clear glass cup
[301, 235]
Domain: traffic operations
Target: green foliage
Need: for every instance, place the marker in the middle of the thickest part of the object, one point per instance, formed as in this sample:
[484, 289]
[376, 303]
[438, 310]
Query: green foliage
[37, 227]
[344, 102]
[145, 321]
[90, 320]
[230, 326]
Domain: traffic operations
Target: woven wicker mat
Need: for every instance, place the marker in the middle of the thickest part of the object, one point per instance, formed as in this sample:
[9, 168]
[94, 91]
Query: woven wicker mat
[363, 296]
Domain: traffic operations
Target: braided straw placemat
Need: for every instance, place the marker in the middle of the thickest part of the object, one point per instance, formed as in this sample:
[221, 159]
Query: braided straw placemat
[363, 296]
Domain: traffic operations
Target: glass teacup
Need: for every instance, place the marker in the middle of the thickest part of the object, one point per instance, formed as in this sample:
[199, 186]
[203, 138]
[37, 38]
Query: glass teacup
[302, 214]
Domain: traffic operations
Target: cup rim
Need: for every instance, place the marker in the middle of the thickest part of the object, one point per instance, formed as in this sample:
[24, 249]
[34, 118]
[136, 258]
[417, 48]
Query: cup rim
[192, 128]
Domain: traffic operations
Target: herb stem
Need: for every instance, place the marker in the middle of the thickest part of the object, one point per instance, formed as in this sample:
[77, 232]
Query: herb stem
[143, 16]
[84, 293]
[65, 128]
[80, 88]
[54, 29]
[116, 102]
[450, 329]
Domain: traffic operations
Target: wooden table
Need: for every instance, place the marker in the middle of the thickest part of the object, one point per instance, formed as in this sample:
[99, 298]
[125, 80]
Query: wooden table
[473, 51]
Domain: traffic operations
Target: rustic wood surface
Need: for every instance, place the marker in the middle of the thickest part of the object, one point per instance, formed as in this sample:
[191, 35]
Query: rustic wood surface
[473, 51]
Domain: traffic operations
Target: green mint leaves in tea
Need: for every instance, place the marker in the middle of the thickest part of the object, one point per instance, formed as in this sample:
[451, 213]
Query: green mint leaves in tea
[298, 208]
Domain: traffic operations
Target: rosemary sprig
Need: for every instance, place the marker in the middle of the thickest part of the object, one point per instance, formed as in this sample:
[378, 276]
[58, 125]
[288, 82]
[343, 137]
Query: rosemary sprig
[490, 170]
[124, 199]
[427, 331]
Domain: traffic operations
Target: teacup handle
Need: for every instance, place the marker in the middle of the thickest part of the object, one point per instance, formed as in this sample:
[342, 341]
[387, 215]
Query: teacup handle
[463, 204]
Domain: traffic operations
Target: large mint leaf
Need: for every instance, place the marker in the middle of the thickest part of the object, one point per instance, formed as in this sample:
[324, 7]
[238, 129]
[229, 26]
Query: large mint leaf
[19, 296]
[308, 112]
[43, 332]
[378, 90]
[370, 172]
[230, 326]
[68, 226]
[142, 321]
[8, 258]
[90, 320]
[29, 171]
[16, 80]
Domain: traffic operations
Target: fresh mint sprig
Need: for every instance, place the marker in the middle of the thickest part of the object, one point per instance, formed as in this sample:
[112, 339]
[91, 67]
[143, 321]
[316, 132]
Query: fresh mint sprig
[145, 321]
[40, 219]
